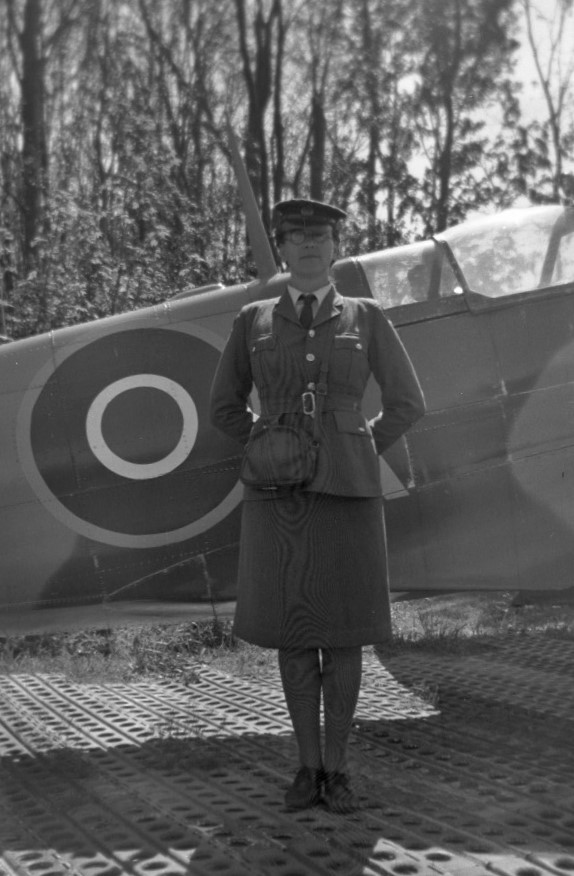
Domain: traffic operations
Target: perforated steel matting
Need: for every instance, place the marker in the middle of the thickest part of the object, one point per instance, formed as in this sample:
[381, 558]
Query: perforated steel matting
[464, 765]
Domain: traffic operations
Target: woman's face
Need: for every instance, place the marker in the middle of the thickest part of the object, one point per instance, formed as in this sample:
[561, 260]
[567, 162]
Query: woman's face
[308, 252]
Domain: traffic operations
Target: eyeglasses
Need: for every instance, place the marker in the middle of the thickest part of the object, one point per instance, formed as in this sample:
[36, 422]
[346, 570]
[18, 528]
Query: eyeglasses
[300, 235]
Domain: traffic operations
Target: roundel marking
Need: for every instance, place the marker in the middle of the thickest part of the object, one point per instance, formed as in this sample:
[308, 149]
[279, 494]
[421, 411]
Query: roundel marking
[115, 440]
[141, 470]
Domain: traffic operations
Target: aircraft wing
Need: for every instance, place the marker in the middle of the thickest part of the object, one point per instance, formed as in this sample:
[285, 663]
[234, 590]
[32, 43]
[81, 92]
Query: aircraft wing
[113, 486]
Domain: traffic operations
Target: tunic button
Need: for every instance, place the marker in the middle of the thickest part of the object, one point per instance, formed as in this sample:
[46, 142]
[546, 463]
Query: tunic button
[311, 386]
[359, 346]
[310, 357]
[312, 333]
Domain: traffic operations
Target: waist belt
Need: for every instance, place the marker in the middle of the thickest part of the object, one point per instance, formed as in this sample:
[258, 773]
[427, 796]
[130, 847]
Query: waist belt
[305, 404]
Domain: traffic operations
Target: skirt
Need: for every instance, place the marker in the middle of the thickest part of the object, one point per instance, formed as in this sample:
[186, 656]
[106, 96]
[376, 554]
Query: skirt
[312, 572]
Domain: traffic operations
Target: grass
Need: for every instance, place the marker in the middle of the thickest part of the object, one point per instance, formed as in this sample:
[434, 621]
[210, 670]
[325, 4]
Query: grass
[120, 654]
[461, 622]
[454, 623]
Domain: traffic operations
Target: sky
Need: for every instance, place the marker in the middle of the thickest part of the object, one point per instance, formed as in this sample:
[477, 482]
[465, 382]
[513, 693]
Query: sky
[533, 103]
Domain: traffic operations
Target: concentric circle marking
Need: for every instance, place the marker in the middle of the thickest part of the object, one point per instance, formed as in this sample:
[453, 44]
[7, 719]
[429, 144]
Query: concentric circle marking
[115, 438]
[141, 471]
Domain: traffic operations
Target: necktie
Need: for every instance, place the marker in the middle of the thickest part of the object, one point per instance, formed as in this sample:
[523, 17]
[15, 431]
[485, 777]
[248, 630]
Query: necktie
[306, 315]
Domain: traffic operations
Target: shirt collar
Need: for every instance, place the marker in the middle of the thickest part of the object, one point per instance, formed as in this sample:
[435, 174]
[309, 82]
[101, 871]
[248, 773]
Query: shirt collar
[320, 295]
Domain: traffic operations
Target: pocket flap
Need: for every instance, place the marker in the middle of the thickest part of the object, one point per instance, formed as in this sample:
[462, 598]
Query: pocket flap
[348, 342]
[266, 342]
[353, 422]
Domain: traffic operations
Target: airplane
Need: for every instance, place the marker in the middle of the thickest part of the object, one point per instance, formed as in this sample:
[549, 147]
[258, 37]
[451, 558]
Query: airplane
[120, 503]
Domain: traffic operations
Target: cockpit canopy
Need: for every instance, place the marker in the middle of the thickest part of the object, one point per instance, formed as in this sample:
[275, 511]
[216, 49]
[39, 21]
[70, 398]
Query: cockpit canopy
[512, 252]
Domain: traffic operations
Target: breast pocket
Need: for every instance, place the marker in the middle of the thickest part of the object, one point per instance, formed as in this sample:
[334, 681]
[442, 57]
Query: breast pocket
[265, 365]
[349, 363]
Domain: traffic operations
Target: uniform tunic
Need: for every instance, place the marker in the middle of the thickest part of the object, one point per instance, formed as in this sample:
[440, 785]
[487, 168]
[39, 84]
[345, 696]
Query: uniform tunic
[312, 566]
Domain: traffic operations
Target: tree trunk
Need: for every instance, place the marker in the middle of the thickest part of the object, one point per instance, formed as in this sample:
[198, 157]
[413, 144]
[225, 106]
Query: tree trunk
[259, 84]
[317, 155]
[34, 157]
[278, 127]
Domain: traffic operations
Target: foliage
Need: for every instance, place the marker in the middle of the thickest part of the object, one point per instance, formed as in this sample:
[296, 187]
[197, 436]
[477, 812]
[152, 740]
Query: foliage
[116, 189]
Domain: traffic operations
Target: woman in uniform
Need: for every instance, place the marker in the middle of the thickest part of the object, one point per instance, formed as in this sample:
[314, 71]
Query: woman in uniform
[312, 577]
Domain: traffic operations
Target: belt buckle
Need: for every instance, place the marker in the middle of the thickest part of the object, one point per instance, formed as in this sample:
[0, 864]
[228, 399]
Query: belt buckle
[308, 402]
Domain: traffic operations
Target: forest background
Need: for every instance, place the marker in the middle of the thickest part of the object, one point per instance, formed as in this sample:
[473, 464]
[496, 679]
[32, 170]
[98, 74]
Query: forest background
[116, 185]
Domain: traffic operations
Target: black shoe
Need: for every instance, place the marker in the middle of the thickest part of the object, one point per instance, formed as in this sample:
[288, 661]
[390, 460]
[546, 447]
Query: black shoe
[305, 790]
[338, 795]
